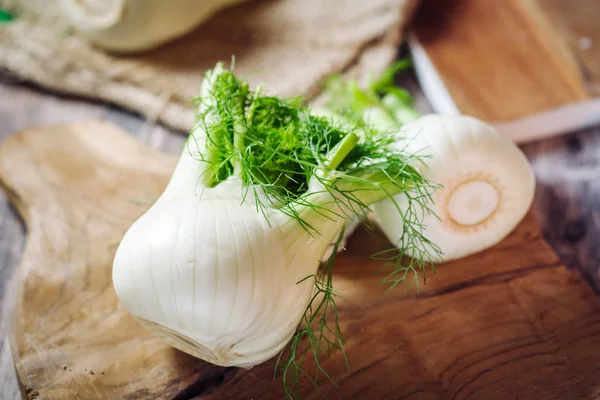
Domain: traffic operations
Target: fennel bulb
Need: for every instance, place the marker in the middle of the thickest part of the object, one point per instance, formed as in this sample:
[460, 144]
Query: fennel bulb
[137, 25]
[218, 266]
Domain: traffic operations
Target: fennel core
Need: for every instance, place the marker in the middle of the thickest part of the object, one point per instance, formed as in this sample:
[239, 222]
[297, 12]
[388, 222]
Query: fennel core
[285, 180]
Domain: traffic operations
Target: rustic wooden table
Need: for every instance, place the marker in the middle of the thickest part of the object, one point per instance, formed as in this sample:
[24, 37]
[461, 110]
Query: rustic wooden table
[566, 203]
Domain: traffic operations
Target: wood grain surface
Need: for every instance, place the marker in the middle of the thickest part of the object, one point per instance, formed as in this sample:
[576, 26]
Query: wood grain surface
[503, 60]
[23, 106]
[478, 329]
[567, 197]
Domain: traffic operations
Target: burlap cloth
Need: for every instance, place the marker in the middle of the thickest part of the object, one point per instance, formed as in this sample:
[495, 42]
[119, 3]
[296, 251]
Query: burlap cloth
[289, 46]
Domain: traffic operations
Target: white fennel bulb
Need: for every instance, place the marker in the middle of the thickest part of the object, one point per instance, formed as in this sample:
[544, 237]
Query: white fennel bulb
[486, 185]
[137, 25]
[213, 278]
[217, 267]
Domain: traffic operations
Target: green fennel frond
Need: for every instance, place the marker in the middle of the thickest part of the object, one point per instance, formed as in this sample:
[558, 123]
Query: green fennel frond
[389, 107]
[277, 147]
[390, 103]
[315, 327]
[285, 154]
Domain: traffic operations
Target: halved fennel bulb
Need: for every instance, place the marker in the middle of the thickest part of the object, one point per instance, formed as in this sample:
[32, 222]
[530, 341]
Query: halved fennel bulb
[487, 185]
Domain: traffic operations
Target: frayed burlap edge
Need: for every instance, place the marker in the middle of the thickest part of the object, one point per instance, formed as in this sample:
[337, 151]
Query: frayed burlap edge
[26, 54]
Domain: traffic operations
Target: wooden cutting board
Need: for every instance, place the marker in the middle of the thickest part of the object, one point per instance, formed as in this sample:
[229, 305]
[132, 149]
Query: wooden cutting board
[509, 323]
[530, 66]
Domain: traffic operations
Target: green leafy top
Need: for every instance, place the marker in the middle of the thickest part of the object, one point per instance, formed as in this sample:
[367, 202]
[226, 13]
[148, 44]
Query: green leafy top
[287, 155]
[391, 105]
[279, 148]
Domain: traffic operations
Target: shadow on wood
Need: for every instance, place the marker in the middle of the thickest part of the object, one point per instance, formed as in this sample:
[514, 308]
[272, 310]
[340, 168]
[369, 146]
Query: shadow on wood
[508, 323]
